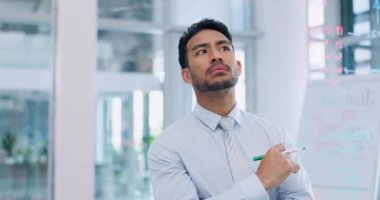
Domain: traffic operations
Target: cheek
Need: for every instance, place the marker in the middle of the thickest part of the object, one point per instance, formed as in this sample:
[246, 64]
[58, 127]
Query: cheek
[198, 65]
[198, 60]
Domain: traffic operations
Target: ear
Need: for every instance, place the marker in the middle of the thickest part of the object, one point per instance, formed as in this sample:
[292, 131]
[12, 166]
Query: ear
[186, 76]
[239, 66]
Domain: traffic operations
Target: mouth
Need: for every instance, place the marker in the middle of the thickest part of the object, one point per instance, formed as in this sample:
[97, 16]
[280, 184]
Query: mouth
[219, 68]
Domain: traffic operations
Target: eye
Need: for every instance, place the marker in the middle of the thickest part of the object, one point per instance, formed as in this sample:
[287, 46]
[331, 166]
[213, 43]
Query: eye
[225, 48]
[201, 52]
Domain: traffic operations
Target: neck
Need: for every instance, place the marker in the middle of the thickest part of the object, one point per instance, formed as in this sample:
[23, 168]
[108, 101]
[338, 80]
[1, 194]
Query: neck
[220, 102]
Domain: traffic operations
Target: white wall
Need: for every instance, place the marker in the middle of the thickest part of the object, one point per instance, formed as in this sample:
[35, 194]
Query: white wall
[282, 61]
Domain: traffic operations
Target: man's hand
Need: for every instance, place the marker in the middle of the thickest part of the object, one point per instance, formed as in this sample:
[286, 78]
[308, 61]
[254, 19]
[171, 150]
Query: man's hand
[275, 167]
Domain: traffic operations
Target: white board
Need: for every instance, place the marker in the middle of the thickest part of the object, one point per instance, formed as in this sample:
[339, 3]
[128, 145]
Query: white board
[340, 128]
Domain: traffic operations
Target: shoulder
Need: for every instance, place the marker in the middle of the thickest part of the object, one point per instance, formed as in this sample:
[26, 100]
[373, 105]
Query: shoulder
[177, 129]
[169, 137]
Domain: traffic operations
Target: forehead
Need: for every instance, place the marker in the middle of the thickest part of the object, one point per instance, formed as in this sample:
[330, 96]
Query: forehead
[205, 36]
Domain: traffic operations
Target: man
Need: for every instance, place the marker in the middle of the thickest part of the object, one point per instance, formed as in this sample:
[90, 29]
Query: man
[208, 154]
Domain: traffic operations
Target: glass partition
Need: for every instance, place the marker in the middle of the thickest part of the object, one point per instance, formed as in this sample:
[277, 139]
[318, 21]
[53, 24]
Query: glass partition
[25, 35]
[24, 135]
[235, 14]
[126, 125]
[344, 37]
[130, 52]
[25, 88]
[132, 10]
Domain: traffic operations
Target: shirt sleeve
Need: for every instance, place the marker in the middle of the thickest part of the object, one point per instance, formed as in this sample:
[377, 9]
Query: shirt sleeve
[297, 185]
[250, 188]
[171, 181]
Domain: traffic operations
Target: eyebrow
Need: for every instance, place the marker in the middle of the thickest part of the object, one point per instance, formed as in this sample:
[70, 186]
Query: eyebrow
[218, 43]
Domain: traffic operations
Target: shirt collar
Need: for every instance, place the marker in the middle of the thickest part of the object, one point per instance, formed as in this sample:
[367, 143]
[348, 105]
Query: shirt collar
[211, 119]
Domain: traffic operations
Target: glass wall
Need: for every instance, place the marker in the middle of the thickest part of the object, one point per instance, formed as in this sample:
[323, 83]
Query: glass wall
[24, 141]
[127, 124]
[132, 10]
[344, 36]
[236, 14]
[129, 52]
[25, 80]
[129, 111]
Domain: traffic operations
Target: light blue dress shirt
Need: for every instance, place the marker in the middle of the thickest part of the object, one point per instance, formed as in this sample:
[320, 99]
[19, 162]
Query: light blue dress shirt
[188, 160]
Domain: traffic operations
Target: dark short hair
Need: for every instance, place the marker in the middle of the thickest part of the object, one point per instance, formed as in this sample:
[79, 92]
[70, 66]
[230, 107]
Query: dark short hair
[193, 30]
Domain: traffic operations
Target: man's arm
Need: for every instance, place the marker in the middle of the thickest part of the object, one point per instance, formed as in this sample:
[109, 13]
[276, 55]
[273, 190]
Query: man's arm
[296, 185]
[171, 180]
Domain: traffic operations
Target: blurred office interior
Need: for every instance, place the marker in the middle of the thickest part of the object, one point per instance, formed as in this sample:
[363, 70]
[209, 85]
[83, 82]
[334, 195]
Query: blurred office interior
[86, 86]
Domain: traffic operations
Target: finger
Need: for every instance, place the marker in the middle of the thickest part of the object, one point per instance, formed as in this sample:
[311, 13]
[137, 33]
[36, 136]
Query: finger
[296, 167]
[288, 165]
[291, 156]
[280, 147]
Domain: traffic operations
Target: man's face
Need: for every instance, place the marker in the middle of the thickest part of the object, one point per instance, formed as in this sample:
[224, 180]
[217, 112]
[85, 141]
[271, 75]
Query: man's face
[212, 63]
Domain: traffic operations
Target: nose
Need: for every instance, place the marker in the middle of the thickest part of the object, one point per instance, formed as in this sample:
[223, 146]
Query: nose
[215, 56]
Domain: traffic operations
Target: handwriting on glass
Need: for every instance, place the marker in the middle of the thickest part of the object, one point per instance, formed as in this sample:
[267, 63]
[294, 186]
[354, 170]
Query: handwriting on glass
[376, 5]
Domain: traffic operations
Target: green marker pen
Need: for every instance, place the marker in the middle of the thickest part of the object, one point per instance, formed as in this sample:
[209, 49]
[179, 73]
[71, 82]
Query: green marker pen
[256, 158]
